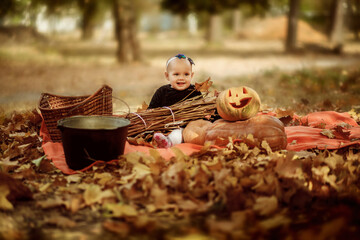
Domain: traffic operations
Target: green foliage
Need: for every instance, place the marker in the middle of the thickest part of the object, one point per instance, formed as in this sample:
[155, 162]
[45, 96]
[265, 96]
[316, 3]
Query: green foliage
[17, 10]
[14, 8]
[56, 6]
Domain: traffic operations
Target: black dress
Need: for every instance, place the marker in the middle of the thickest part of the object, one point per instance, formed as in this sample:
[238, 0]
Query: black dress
[167, 96]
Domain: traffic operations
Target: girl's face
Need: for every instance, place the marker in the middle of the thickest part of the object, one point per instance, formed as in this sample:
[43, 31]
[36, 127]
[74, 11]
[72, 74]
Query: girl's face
[179, 73]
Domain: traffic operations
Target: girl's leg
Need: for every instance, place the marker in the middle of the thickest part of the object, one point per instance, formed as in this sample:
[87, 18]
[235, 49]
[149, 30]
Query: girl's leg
[175, 137]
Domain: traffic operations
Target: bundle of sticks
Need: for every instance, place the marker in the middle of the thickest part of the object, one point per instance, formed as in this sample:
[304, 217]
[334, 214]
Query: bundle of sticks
[168, 118]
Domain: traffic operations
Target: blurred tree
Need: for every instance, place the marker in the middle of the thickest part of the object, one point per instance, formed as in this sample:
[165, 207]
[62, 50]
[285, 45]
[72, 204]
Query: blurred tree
[337, 21]
[126, 14]
[236, 20]
[291, 36]
[6, 6]
[182, 8]
[354, 17]
[54, 9]
[212, 9]
[55, 6]
[16, 11]
[89, 9]
[91, 12]
[253, 8]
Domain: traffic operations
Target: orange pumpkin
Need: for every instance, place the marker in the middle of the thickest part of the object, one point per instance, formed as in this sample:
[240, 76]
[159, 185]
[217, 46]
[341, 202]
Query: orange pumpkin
[238, 103]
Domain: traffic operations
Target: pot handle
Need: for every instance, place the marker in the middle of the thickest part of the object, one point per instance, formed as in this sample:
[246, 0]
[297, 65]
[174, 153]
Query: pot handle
[124, 103]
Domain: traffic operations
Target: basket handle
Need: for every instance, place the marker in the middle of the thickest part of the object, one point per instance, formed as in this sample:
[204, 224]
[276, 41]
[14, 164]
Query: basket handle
[74, 108]
[102, 96]
[83, 102]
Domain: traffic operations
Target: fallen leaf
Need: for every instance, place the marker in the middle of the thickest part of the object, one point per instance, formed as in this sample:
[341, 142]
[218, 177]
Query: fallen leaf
[51, 203]
[61, 221]
[334, 160]
[75, 203]
[179, 155]
[93, 194]
[204, 86]
[103, 178]
[340, 132]
[266, 205]
[121, 228]
[275, 221]
[172, 176]
[159, 196]
[6, 165]
[265, 145]
[75, 178]
[18, 191]
[4, 202]
[187, 205]
[289, 168]
[37, 162]
[280, 113]
[328, 133]
[121, 210]
[144, 106]
[323, 173]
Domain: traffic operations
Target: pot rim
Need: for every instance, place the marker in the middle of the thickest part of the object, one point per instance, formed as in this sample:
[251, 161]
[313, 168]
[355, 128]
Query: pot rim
[112, 122]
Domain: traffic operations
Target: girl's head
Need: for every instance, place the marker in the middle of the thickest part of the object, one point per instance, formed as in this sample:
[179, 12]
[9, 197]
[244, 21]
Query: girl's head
[179, 72]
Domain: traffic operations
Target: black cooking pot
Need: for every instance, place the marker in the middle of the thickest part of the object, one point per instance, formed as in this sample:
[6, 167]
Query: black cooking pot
[90, 138]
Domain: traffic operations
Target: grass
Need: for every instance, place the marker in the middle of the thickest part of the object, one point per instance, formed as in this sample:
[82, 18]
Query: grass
[305, 90]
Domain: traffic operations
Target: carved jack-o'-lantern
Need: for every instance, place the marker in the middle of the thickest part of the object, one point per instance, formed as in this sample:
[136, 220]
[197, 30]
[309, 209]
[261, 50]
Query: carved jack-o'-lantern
[238, 103]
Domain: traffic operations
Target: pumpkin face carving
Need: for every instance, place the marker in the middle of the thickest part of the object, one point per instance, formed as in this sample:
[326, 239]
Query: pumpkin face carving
[238, 103]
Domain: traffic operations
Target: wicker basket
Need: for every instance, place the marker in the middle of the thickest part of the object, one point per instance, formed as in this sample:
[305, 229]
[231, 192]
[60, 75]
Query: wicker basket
[54, 108]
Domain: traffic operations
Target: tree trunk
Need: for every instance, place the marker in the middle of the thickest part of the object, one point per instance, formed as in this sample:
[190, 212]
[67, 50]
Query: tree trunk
[337, 25]
[133, 30]
[293, 16]
[192, 24]
[125, 19]
[236, 20]
[353, 17]
[89, 9]
[356, 21]
[214, 29]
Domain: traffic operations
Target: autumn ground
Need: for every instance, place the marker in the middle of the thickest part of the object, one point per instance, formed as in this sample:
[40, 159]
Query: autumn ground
[234, 193]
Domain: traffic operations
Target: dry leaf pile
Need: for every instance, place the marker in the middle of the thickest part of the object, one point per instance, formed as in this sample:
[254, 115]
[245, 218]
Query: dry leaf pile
[230, 193]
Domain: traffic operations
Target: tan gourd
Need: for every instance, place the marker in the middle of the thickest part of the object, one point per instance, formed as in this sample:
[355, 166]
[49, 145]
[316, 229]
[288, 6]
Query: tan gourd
[195, 131]
[262, 128]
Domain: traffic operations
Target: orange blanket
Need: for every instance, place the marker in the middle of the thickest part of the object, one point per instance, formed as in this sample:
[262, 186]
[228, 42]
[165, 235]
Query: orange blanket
[299, 138]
